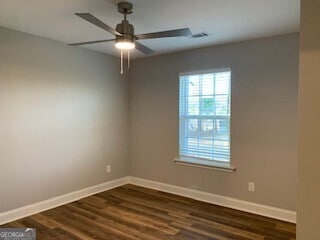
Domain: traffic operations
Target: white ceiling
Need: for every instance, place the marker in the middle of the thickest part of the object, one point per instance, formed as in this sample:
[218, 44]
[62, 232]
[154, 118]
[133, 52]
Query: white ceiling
[224, 20]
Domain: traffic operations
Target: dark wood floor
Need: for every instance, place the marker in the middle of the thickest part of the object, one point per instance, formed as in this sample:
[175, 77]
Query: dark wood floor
[131, 212]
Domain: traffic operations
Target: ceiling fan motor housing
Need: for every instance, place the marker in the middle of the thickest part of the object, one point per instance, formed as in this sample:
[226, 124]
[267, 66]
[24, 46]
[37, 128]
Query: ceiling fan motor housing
[127, 31]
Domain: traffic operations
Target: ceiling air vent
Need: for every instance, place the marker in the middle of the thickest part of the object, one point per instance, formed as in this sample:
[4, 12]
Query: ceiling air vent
[200, 35]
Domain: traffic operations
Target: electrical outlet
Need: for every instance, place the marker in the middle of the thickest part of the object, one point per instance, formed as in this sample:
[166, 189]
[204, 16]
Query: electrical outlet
[108, 169]
[251, 187]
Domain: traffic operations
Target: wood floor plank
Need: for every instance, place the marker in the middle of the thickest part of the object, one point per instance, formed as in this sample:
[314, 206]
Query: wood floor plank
[52, 224]
[132, 212]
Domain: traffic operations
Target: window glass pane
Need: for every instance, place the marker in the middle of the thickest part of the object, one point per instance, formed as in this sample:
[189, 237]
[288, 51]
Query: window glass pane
[192, 127]
[193, 85]
[207, 106]
[207, 87]
[221, 104]
[222, 129]
[207, 128]
[222, 83]
[221, 150]
[193, 105]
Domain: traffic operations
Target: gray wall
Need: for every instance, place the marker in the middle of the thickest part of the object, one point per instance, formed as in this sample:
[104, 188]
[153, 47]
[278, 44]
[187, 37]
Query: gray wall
[264, 119]
[308, 218]
[63, 118]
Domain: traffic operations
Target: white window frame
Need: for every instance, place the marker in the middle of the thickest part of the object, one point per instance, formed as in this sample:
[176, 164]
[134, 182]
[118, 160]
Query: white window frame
[201, 162]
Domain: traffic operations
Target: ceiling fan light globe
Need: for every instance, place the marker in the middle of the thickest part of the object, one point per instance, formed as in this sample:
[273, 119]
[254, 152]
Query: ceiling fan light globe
[125, 45]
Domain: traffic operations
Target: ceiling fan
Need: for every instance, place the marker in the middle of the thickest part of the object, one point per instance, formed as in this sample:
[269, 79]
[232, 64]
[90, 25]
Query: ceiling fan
[125, 39]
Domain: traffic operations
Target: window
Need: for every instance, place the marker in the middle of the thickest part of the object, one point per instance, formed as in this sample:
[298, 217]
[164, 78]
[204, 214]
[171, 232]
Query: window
[204, 118]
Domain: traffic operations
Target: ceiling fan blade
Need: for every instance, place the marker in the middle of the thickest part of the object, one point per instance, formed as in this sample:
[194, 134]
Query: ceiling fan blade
[90, 42]
[92, 19]
[171, 33]
[144, 49]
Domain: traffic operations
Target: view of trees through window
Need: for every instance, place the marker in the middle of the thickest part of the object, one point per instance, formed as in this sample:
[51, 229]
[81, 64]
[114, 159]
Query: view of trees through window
[205, 116]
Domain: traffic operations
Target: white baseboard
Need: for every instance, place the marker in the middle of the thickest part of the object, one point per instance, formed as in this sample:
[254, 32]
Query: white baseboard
[31, 209]
[264, 210]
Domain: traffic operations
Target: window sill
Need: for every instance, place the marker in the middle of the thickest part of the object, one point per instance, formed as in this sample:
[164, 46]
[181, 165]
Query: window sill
[195, 162]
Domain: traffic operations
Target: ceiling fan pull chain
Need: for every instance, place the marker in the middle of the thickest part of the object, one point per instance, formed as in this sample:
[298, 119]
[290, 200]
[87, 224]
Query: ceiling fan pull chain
[121, 62]
[128, 59]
